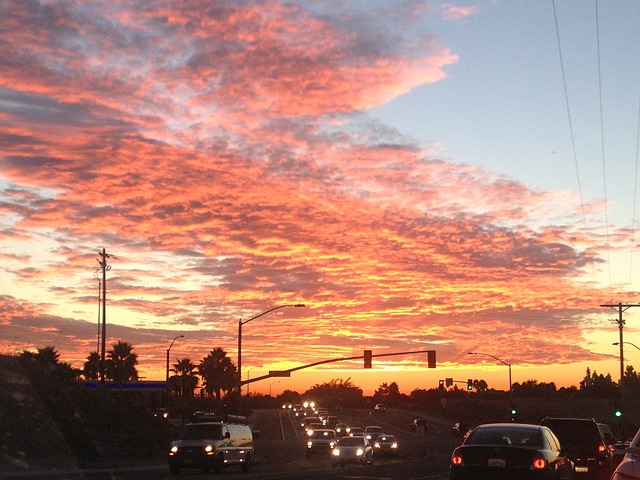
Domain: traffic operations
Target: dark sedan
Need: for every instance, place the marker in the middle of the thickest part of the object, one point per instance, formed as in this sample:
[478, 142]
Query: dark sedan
[510, 451]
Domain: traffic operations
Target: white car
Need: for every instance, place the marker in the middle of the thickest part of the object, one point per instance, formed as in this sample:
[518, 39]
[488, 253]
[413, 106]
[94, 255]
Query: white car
[352, 450]
[629, 467]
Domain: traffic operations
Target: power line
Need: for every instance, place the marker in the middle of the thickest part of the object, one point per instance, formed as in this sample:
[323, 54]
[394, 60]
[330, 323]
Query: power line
[571, 134]
[604, 169]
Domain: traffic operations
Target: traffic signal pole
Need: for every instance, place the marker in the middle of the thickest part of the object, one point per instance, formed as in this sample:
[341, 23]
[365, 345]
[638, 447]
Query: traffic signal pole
[431, 358]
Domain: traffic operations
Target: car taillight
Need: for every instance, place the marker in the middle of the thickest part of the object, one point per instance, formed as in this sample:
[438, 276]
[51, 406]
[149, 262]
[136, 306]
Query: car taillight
[602, 448]
[539, 463]
[456, 458]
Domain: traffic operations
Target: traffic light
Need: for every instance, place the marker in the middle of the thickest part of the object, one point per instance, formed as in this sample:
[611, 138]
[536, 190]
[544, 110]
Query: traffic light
[470, 384]
[617, 410]
[431, 358]
[441, 384]
[514, 412]
[368, 354]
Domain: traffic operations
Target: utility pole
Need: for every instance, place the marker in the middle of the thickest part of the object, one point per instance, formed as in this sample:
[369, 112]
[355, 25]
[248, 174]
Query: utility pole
[103, 264]
[621, 307]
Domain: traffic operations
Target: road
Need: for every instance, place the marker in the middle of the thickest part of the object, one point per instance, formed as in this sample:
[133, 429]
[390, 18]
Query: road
[280, 454]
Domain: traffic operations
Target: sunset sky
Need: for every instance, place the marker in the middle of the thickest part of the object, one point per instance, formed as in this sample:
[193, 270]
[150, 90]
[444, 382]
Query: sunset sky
[455, 176]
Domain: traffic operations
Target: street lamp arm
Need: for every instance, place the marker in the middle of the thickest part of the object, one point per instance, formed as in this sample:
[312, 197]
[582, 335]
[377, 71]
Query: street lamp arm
[492, 356]
[628, 343]
[242, 322]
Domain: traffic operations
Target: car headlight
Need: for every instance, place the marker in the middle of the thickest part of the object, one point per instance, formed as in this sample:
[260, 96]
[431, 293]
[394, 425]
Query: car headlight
[309, 444]
[335, 452]
[359, 452]
[173, 450]
[209, 449]
[394, 445]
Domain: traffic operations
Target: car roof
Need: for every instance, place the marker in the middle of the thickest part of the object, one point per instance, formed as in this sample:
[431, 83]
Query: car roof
[512, 425]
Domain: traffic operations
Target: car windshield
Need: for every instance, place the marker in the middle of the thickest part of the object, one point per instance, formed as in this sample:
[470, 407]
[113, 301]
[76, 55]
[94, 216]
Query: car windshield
[505, 436]
[350, 441]
[200, 431]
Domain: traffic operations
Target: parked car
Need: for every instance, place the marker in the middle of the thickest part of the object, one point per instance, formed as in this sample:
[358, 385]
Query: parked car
[352, 449]
[510, 450]
[629, 466]
[211, 446]
[372, 431]
[584, 443]
[385, 445]
[320, 441]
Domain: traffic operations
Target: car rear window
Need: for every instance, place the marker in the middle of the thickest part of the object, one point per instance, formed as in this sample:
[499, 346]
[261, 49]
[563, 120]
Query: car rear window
[505, 436]
[575, 433]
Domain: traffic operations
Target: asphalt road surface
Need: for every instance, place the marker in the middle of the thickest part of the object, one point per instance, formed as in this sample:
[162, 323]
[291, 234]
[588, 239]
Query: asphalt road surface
[280, 454]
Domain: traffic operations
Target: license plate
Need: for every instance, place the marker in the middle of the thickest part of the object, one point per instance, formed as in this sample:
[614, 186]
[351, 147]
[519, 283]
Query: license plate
[582, 469]
[497, 462]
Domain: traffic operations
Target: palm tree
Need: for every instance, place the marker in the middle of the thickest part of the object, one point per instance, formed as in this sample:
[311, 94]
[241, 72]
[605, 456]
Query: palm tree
[91, 369]
[121, 362]
[44, 355]
[218, 372]
[185, 380]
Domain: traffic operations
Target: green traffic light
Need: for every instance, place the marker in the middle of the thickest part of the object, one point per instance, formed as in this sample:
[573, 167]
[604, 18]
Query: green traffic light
[618, 413]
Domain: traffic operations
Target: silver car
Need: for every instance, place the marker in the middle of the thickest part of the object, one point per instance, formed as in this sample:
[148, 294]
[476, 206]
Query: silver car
[352, 450]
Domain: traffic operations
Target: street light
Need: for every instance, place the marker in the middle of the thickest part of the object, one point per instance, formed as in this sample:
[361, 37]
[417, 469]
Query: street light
[244, 322]
[272, 383]
[169, 350]
[496, 358]
[248, 371]
[628, 343]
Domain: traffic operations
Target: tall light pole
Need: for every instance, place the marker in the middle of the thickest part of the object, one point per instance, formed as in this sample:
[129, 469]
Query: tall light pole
[240, 324]
[168, 351]
[622, 358]
[272, 383]
[496, 358]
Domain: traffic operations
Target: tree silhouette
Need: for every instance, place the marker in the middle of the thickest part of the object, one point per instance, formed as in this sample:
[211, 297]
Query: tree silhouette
[121, 362]
[388, 393]
[91, 369]
[218, 372]
[336, 394]
[44, 355]
[185, 380]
